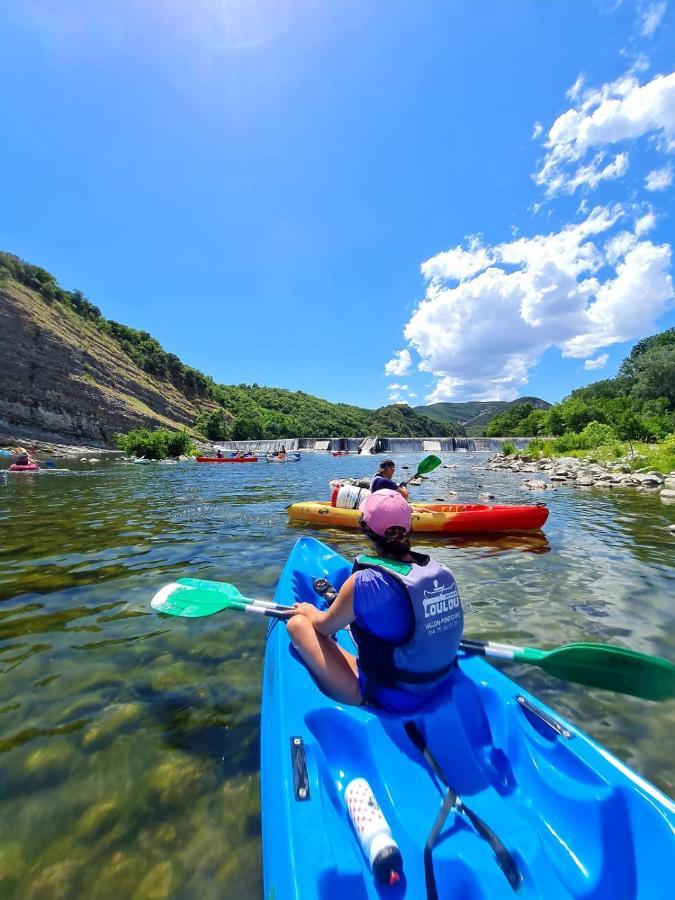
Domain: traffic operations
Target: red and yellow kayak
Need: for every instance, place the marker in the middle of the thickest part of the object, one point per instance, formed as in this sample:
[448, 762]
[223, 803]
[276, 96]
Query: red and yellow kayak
[228, 459]
[466, 518]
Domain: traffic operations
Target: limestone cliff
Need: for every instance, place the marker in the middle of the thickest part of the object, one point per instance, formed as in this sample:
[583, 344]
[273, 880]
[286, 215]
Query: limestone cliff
[62, 378]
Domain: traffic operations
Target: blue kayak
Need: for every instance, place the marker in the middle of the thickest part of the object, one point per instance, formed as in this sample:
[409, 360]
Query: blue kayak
[575, 820]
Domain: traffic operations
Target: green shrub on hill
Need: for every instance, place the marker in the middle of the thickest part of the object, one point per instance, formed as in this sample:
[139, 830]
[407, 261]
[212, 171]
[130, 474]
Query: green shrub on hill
[158, 444]
[214, 425]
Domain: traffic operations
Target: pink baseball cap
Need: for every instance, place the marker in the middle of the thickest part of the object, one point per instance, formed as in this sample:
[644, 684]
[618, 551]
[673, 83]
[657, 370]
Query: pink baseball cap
[386, 509]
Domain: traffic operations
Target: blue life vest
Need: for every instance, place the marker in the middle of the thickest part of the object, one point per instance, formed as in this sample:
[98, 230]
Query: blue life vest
[429, 652]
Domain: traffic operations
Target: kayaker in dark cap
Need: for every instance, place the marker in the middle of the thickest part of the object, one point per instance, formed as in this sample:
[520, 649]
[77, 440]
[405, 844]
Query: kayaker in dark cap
[405, 616]
[384, 479]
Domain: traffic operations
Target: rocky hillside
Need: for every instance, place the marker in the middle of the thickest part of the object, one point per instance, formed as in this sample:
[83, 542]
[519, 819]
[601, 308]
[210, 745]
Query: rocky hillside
[69, 374]
[62, 378]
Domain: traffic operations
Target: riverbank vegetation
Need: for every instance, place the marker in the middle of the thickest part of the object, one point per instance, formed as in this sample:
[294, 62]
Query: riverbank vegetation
[637, 455]
[158, 444]
[637, 405]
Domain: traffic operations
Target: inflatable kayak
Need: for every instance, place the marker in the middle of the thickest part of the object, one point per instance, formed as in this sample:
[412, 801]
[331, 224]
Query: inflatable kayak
[573, 819]
[291, 457]
[226, 459]
[431, 517]
[31, 467]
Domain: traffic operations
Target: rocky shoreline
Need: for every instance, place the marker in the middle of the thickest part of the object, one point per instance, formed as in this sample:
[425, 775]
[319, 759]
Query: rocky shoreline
[569, 470]
[59, 451]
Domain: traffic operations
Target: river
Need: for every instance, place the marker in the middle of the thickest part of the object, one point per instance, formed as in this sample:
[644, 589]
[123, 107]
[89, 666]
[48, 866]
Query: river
[129, 751]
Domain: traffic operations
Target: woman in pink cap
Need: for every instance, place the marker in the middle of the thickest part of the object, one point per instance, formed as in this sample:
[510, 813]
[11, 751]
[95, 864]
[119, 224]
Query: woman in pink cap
[405, 615]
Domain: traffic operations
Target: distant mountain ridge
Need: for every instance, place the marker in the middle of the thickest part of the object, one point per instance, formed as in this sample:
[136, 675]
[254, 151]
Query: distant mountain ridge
[474, 415]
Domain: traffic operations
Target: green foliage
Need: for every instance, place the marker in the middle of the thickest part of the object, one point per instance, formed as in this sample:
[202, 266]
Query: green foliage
[248, 426]
[508, 449]
[645, 350]
[518, 420]
[476, 415]
[595, 434]
[638, 405]
[44, 283]
[214, 425]
[400, 420]
[157, 444]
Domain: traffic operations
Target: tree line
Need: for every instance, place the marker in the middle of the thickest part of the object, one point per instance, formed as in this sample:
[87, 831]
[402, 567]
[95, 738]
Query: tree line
[637, 405]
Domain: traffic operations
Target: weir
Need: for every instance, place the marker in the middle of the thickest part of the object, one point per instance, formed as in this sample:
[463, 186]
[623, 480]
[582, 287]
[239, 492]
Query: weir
[366, 445]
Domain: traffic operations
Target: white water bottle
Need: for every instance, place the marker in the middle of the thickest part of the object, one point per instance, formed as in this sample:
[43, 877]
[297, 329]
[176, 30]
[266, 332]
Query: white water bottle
[374, 832]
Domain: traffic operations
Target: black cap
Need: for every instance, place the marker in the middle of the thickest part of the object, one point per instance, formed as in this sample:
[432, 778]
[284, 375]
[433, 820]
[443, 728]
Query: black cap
[388, 866]
[386, 463]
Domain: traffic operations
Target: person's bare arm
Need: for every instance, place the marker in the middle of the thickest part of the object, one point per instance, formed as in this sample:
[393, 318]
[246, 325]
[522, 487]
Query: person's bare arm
[337, 616]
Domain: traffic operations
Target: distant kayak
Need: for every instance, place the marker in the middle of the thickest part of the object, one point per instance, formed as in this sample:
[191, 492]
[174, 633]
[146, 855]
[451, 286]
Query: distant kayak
[571, 819]
[463, 518]
[339, 452]
[226, 459]
[31, 467]
[292, 457]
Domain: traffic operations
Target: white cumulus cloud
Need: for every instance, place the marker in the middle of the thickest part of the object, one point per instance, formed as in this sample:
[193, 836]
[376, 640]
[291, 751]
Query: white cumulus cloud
[399, 364]
[599, 363]
[580, 289]
[659, 179]
[617, 111]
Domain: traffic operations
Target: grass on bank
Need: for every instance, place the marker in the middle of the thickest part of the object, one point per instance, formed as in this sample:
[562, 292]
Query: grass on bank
[598, 443]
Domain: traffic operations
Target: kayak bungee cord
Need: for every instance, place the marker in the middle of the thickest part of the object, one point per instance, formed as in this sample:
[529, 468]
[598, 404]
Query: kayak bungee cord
[453, 801]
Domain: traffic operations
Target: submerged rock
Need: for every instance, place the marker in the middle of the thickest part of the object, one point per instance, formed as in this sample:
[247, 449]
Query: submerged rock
[99, 818]
[49, 764]
[158, 883]
[112, 720]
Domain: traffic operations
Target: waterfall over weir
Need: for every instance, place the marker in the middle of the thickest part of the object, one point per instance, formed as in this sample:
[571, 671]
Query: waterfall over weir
[378, 444]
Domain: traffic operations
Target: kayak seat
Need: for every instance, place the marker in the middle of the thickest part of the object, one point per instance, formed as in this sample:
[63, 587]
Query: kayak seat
[350, 742]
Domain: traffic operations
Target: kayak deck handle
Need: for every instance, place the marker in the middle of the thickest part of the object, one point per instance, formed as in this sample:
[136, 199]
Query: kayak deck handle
[530, 709]
[299, 764]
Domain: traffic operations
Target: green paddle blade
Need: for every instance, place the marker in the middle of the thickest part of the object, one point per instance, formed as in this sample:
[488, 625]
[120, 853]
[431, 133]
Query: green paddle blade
[428, 464]
[613, 668]
[192, 601]
[228, 591]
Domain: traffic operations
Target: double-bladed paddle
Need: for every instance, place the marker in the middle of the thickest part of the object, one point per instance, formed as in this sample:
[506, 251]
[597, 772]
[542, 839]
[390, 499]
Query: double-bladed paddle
[595, 665]
[428, 464]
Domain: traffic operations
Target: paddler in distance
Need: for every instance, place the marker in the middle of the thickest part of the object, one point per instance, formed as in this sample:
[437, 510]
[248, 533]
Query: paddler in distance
[384, 479]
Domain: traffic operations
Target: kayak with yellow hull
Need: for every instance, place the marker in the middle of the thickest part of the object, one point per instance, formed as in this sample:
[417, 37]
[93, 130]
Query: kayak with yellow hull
[466, 518]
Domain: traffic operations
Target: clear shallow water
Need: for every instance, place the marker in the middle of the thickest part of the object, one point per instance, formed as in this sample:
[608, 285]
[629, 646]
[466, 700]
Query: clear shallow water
[129, 742]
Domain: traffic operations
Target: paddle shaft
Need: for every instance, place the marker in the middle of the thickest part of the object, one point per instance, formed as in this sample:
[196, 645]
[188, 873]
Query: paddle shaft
[428, 464]
[595, 665]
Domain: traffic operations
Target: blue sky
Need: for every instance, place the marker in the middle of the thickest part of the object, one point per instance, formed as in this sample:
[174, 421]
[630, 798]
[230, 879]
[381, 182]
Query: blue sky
[464, 200]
